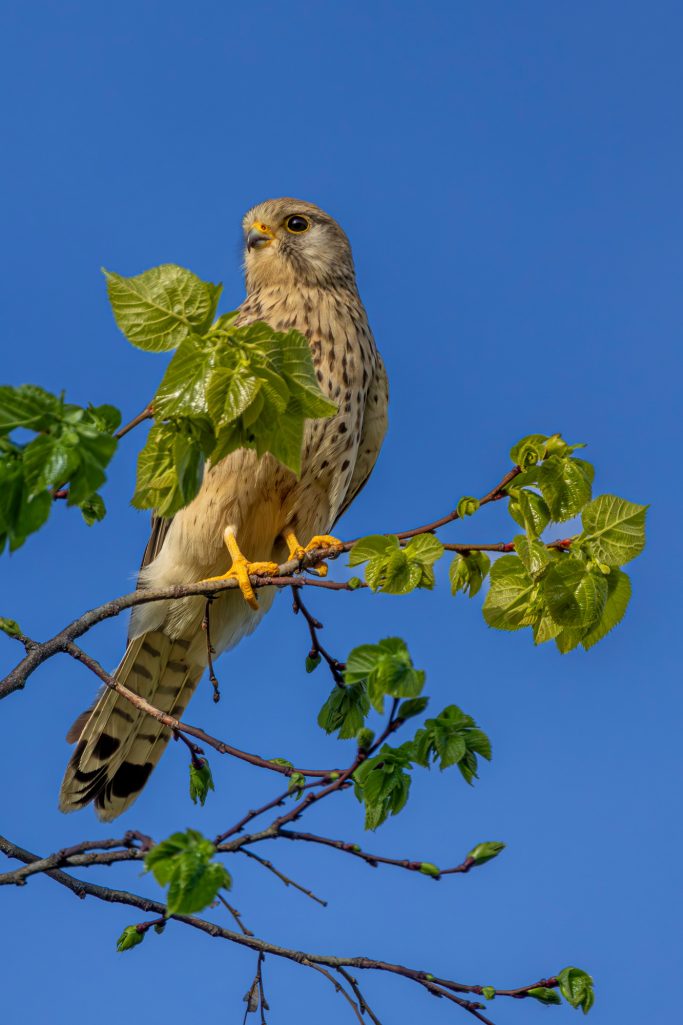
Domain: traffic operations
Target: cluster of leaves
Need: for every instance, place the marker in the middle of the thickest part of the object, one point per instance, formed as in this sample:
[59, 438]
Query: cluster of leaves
[373, 673]
[227, 387]
[574, 593]
[70, 443]
[394, 569]
[577, 593]
[575, 985]
[184, 864]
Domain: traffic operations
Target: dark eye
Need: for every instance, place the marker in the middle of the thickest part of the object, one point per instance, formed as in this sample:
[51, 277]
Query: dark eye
[297, 224]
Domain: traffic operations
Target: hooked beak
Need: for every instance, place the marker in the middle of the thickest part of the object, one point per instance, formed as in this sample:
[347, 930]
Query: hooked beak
[259, 236]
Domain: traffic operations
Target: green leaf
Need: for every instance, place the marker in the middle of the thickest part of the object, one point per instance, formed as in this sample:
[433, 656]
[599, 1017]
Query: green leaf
[382, 784]
[575, 595]
[27, 406]
[297, 782]
[412, 707]
[529, 510]
[93, 509]
[484, 852]
[345, 710]
[544, 995]
[183, 863]
[533, 553]
[424, 549]
[488, 992]
[529, 450]
[365, 738]
[467, 506]
[468, 572]
[201, 780]
[451, 738]
[312, 661]
[508, 603]
[10, 627]
[48, 462]
[183, 388]
[614, 529]
[129, 938]
[159, 309]
[566, 485]
[371, 547]
[576, 987]
[384, 669]
[428, 869]
[618, 596]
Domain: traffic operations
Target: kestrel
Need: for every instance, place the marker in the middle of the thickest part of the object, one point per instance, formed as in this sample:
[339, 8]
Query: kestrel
[249, 514]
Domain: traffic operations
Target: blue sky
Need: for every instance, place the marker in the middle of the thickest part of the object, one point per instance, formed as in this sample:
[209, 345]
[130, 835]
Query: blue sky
[509, 175]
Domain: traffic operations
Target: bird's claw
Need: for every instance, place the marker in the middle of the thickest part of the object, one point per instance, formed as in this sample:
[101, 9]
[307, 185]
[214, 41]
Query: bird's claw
[241, 570]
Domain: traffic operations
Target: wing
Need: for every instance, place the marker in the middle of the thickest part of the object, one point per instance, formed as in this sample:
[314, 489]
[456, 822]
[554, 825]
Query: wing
[375, 422]
[160, 528]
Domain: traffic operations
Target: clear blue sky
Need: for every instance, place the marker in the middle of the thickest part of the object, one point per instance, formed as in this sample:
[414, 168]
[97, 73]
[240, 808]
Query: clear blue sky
[510, 177]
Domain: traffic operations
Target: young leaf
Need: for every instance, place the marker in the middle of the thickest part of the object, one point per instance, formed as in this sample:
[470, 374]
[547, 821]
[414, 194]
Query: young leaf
[452, 738]
[468, 572]
[129, 938]
[383, 784]
[201, 780]
[614, 529]
[544, 995]
[160, 308]
[529, 450]
[345, 710]
[507, 605]
[529, 510]
[576, 987]
[565, 484]
[575, 596]
[183, 863]
[484, 852]
[384, 669]
[618, 596]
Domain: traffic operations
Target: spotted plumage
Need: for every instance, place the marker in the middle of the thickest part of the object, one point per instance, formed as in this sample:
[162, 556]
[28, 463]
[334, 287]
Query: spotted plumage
[301, 279]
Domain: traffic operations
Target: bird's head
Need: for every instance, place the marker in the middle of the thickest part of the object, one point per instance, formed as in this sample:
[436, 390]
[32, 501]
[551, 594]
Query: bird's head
[288, 242]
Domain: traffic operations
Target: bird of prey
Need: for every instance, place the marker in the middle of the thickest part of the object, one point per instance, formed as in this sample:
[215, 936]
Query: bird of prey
[250, 514]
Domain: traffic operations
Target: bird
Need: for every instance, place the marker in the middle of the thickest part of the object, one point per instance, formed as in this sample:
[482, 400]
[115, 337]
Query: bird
[249, 514]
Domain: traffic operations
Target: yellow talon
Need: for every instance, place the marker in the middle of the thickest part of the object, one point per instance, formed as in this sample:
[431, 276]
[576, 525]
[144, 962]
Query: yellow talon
[242, 569]
[296, 551]
[324, 541]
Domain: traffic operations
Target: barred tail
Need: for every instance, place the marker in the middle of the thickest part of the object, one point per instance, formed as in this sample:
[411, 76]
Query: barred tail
[117, 745]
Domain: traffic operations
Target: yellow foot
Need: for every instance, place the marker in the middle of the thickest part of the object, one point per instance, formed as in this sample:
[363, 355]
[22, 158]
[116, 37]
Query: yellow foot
[325, 541]
[242, 569]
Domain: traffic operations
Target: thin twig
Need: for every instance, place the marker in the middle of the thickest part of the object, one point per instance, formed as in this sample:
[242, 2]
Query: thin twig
[373, 859]
[338, 987]
[210, 652]
[285, 879]
[317, 651]
[362, 1002]
[235, 914]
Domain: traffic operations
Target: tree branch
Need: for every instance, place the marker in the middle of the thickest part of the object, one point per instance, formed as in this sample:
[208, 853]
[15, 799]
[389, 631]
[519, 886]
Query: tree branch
[436, 984]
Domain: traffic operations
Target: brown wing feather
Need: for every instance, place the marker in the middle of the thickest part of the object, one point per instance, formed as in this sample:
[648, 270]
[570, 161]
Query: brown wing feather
[375, 422]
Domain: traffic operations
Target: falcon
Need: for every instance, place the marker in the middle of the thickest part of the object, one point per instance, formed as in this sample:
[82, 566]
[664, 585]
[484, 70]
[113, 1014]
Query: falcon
[250, 514]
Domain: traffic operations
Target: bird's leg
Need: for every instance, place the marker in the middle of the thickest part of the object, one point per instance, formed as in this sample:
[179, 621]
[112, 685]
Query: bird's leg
[325, 541]
[242, 569]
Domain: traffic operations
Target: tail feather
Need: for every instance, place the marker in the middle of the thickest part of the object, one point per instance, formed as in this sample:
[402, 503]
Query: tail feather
[117, 745]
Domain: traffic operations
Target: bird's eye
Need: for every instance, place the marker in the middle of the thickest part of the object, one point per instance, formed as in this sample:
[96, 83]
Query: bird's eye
[297, 224]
